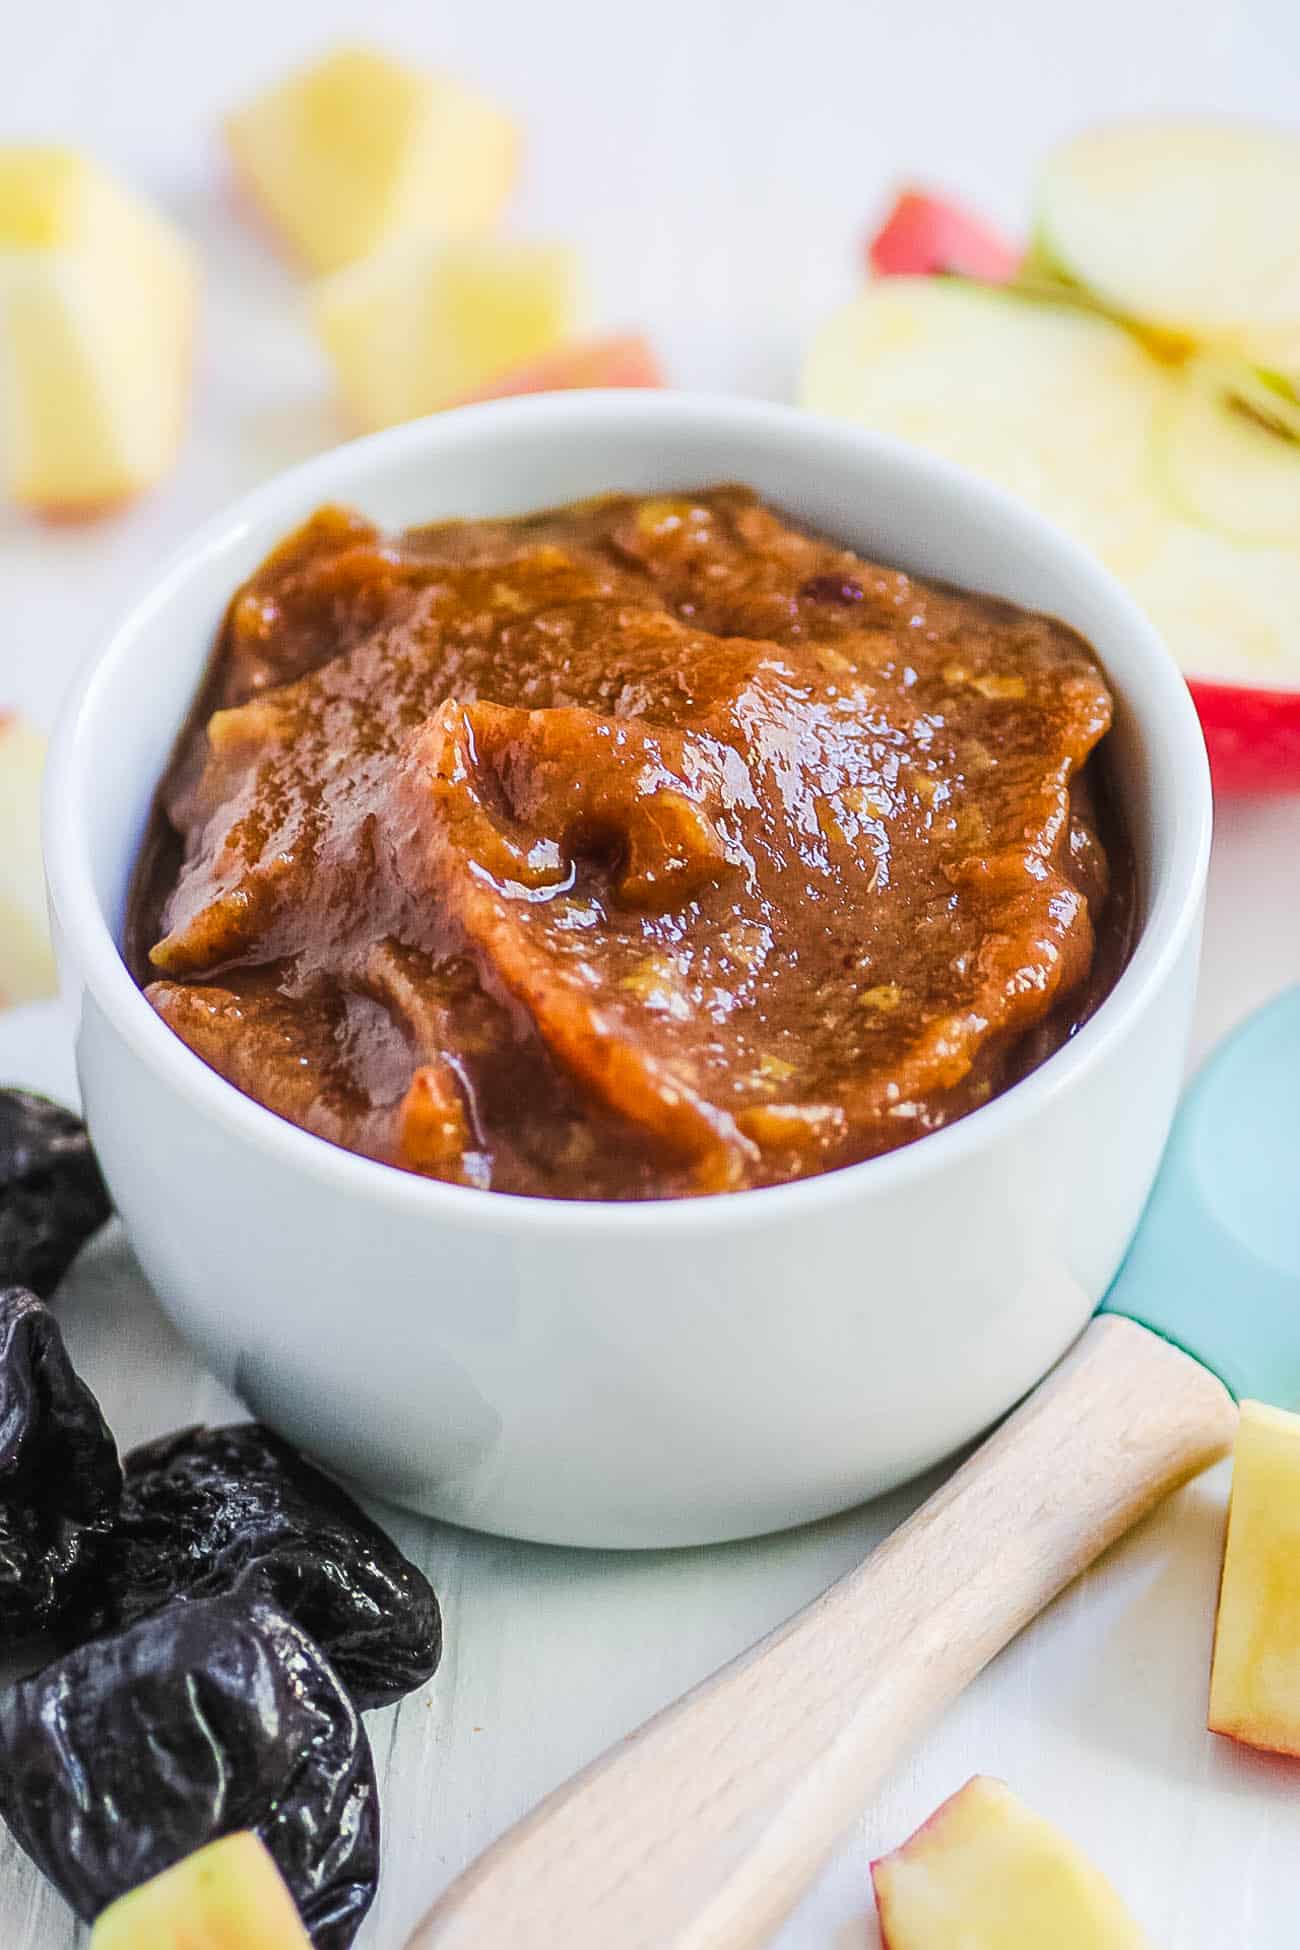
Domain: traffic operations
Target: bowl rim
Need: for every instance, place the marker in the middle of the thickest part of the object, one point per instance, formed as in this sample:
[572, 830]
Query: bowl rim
[1169, 727]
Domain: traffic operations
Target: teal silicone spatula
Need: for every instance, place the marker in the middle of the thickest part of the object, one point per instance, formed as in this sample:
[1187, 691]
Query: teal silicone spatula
[698, 1831]
[1215, 1266]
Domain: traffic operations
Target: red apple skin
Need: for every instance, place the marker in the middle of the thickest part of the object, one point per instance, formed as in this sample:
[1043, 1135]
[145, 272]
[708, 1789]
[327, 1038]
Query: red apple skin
[936, 1819]
[927, 235]
[1253, 736]
[622, 359]
[1244, 1737]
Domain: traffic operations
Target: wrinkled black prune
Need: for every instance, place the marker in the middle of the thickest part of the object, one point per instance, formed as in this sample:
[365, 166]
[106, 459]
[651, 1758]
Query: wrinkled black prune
[211, 1510]
[60, 1480]
[204, 1718]
[51, 1194]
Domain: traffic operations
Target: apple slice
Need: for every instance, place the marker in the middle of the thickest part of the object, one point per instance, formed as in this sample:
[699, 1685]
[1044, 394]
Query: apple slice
[1223, 466]
[1230, 610]
[1255, 1682]
[927, 235]
[227, 1896]
[1055, 404]
[97, 304]
[357, 150]
[26, 958]
[418, 328]
[986, 1873]
[1070, 411]
[1189, 225]
[622, 359]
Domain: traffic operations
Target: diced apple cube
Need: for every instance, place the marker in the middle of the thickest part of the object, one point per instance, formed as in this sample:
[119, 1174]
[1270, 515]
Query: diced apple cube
[414, 329]
[26, 958]
[624, 359]
[1255, 1681]
[97, 304]
[227, 1896]
[357, 150]
[988, 1874]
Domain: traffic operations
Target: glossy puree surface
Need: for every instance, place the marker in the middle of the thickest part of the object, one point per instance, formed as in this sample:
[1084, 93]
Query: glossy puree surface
[644, 848]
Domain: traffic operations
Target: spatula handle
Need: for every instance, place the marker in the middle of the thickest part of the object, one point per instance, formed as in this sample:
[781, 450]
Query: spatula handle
[700, 1830]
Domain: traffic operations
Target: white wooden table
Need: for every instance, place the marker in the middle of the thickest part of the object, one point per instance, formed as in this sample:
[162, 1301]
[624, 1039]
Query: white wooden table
[718, 160]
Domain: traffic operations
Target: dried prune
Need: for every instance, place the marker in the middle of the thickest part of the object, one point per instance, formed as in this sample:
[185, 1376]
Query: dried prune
[204, 1718]
[52, 1196]
[210, 1510]
[60, 1480]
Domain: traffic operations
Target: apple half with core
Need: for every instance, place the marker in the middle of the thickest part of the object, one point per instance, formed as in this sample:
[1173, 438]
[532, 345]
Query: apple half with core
[1186, 224]
[1192, 501]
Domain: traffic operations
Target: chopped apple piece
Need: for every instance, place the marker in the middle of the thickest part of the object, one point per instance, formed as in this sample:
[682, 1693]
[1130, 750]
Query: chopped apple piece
[227, 1896]
[414, 329]
[620, 360]
[97, 303]
[357, 151]
[927, 235]
[1255, 1682]
[1188, 225]
[26, 958]
[986, 1873]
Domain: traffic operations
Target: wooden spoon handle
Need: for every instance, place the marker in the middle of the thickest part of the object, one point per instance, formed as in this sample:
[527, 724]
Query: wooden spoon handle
[700, 1830]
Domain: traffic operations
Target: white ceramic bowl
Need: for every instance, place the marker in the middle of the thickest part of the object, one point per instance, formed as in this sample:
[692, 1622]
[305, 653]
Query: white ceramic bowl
[667, 1373]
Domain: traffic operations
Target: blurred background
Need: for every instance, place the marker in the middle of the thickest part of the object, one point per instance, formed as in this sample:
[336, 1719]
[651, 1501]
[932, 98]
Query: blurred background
[718, 162]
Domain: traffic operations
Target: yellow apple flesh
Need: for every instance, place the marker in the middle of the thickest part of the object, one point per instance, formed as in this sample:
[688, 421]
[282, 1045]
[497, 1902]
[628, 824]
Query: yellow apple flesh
[97, 303]
[1255, 1682]
[986, 1873]
[1186, 223]
[357, 151]
[26, 958]
[415, 329]
[228, 1896]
